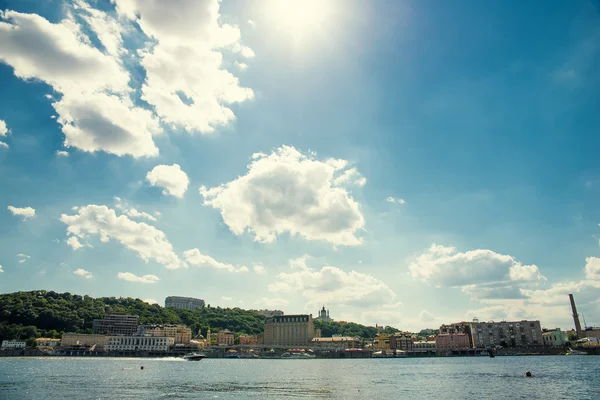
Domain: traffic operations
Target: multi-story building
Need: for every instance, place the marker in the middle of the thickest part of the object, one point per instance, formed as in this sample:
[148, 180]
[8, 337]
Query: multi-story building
[188, 303]
[182, 334]
[323, 315]
[590, 332]
[116, 324]
[225, 338]
[248, 339]
[452, 341]
[382, 341]
[458, 327]
[139, 343]
[13, 344]
[555, 338]
[424, 346]
[506, 334]
[401, 342]
[338, 342]
[82, 341]
[289, 330]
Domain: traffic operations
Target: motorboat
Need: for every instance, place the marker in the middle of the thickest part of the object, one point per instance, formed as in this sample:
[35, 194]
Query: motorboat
[572, 352]
[194, 356]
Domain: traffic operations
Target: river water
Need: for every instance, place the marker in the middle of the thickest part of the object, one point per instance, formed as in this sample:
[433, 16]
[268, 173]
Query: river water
[554, 377]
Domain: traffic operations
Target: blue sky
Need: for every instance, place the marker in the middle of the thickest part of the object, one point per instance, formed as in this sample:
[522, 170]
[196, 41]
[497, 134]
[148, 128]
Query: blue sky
[407, 163]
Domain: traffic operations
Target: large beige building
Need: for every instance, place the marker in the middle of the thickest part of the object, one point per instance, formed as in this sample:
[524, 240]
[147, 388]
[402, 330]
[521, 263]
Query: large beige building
[225, 338]
[452, 341]
[81, 340]
[182, 334]
[506, 334]
[289, 330]
[188, 303]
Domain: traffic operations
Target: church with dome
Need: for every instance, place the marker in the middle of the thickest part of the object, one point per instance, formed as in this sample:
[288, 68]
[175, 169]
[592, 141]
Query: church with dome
[323, 315]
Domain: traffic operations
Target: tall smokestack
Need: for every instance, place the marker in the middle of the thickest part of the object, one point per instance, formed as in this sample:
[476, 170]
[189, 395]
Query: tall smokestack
[575, 316]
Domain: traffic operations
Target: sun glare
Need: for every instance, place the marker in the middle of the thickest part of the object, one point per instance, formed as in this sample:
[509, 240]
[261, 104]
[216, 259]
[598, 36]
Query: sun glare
[300, 19]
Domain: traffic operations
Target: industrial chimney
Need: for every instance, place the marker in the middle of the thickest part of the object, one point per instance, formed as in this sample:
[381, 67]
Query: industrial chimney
[575, 317]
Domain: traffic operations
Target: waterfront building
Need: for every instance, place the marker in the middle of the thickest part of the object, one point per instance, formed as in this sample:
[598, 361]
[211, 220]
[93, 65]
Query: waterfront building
[555, 338]
[76, 341]
[323, 315]
[225, 338]
[506, 334]
[424, 347]
[401, 341]
[139, 343]
[13, 344]
[338, 342]
[188, 303]
[182, 334]
[248, 339]
[382, 341]
[458, 327]
[116, 324]
[590, 332]
[452, 341]
[289, 330]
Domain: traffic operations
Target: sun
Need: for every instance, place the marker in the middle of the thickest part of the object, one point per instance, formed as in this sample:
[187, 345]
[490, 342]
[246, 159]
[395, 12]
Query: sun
[300, 19]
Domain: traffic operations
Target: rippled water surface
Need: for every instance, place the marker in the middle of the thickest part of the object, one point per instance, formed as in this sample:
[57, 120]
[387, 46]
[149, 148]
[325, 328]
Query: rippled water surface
[555, 377]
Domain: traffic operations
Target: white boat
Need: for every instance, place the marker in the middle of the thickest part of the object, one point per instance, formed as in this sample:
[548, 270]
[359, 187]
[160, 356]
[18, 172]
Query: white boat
[572, 352]
[194, 356]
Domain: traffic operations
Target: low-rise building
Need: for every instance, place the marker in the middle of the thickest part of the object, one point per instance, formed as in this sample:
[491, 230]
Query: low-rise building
[225, 338]
[270, 313]
[13, 344]
[187, 303]
[139, 343]
[555, 338]
[401, 341]
[82, 341]
[182, 334]
[424, 346]
[452, 341]
[591, 333]
[338, 342]
[248, 339]
[47, 343]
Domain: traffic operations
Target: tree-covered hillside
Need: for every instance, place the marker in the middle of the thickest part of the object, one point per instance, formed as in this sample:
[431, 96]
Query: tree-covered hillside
[329, 329]
[46, 313]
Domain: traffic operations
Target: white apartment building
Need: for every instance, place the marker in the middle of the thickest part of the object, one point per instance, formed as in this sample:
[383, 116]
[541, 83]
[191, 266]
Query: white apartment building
[13, 344]
[428, 346]
[139, 343]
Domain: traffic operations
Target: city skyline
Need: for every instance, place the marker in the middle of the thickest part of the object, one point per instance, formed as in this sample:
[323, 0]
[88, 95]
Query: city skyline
[409, 164]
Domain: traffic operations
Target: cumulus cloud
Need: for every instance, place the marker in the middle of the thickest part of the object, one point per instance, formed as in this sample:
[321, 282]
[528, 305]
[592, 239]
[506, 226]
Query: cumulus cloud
[289, 192]
[132, 212]
[3, 128]
[25, 212]
[62, 153]
[128, 276]
[169, 177]
[75, 244]
[23, 258]
[1, 270]
[481, 273]
[185, 81]
[350, 176]
[395, 200]
[195, 257]
[96, 111]
[83, 273]
[592, 268]
[426, 316]
[382, 317]
[147, 241]
[150, 301]
[3, 145]
[332, 285]
[259, 269]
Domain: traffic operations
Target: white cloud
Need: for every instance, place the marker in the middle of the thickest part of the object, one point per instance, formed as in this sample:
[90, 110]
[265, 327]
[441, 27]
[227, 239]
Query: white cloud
[4, 145]
[62, 153]
[395, 200]
[128, 276]
[96, 111]
[592, 268]
[241, 66]
[132, 212]
[169, 177]
[350, 177]
[149, 242]
[83, 273]
[426, 316]
[23, 258]
[252, 24]
[185, 80]
[288, 192]
[332, 285]
[195, 257]
[76, 244]
[382, 317]
[247, 52]
[272, 302]
[259, 269]
[3, 129]
[1, 270]
[150, 301]
[226, 298]
[25, 212]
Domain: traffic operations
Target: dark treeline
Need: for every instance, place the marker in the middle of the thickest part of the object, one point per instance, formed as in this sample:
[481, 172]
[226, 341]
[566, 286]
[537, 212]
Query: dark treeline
[40, 313]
